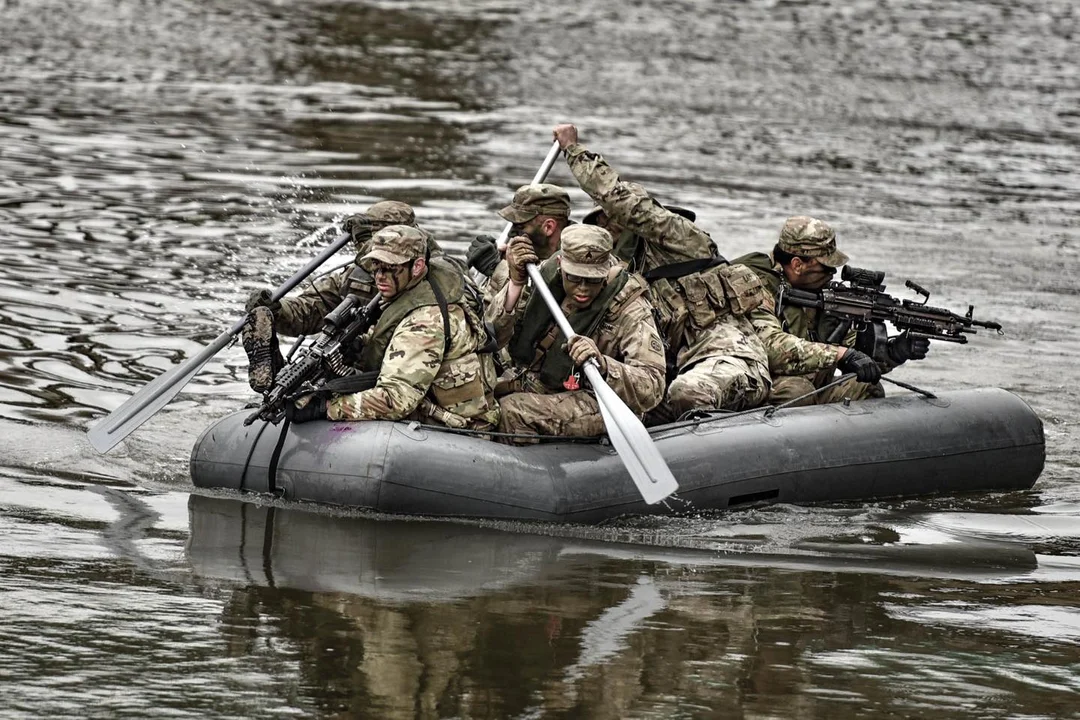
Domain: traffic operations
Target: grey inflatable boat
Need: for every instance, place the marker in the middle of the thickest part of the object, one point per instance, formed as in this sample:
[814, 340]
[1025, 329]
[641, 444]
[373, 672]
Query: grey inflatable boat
[904, 446]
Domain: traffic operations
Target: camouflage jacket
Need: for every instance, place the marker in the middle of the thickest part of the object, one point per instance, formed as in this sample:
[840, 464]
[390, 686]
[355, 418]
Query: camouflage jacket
[627, 336]
[303, 314]
[701, 315]
[419, 378]
[793, 337]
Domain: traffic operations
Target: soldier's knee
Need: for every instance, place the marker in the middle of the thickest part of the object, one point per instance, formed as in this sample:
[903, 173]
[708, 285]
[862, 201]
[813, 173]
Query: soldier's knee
[788, 387]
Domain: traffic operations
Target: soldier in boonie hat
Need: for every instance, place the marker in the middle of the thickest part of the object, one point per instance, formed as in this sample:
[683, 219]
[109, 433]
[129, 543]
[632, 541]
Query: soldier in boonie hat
[808, 237]
[537, 199]
[586, 251]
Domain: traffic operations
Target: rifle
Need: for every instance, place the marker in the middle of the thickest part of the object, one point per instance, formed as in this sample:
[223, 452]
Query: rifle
[325, 357]
[862, 302]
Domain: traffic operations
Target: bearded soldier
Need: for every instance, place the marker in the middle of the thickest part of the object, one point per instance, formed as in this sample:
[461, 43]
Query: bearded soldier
[806, 258]
[426, 344]
[703, 304]
[607, 308]
[304, 313]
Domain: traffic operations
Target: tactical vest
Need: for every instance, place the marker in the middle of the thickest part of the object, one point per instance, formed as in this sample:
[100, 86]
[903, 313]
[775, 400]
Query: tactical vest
[466, 378]
[540, 345]
[701, 299]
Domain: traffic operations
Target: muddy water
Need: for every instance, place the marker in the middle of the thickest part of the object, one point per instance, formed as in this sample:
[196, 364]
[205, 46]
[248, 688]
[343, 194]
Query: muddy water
[158, 162]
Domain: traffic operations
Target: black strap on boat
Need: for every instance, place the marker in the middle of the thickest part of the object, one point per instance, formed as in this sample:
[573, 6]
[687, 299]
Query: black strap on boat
[684, 268]
[271, 471]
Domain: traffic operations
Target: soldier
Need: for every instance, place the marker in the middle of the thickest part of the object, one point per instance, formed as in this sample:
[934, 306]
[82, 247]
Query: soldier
[702, 304]
[805, 257]
[304, 313]
[538, 213]
[426, 344]
[608, 308]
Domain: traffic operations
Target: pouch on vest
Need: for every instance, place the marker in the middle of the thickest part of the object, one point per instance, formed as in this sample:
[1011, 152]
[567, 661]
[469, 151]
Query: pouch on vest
[742, 287]
[705, 298]
[459, 386]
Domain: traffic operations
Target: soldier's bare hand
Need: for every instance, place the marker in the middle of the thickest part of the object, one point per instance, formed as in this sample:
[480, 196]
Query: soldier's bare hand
[566, 134]
[520, 253]
[582, 349]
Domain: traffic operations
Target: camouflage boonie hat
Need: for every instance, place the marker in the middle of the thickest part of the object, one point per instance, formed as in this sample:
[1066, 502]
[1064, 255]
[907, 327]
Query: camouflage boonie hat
[396, 244]
[532, 200]
[586, 251]
[811, 238]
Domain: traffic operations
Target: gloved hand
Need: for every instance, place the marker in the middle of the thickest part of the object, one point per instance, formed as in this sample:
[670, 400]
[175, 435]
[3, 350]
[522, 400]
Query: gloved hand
[581, 349]
[360, 226]
[864, 367]
[261, 298]
[519, 253]
[903, 347]
[483, 254]
[308, 408]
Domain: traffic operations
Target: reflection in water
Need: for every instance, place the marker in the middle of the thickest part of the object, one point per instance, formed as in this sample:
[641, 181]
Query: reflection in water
[428, 618]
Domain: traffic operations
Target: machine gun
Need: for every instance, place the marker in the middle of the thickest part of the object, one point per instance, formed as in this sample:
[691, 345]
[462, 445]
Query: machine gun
[322, 359]
[863, 303]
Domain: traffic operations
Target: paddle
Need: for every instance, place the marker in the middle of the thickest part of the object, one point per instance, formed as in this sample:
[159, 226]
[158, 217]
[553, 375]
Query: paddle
[141, 406]
[628, 435]
[541, 174]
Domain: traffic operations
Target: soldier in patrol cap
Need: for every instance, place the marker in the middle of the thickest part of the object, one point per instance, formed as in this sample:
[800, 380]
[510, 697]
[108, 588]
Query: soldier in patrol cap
[806, 257]
[303, 314]
[538, 213]
[610, 313]
[426, 344]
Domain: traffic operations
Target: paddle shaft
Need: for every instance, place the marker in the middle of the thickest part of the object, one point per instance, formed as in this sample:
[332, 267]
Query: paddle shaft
[541, 175]
[628, 435]
[143, 405]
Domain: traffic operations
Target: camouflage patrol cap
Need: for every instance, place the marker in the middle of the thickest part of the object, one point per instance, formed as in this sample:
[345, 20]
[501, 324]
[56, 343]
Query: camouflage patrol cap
[395, 245]
[391, 212]
[586, 251]
[811, 238]
[539, 199]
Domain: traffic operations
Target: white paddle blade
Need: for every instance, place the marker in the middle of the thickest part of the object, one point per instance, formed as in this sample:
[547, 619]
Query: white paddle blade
[632, 442]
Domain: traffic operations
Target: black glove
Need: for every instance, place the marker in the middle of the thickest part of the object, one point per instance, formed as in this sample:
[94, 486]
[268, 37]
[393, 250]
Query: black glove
[483, 255]
[903, 347]
[314, 410]
[261, 298]
[864, 367]
[360, 226]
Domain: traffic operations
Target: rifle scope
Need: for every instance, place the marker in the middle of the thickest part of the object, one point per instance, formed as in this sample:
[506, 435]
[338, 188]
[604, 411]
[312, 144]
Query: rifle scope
[862, 277]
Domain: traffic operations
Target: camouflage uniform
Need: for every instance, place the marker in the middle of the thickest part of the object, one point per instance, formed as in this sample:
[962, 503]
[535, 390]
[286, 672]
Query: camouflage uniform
[424, 374]
[619, 320]
[703, 315]
[798, 359]
[304, 313]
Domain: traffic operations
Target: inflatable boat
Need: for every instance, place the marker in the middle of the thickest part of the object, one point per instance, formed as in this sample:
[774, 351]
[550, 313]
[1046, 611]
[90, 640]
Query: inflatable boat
[908, 445]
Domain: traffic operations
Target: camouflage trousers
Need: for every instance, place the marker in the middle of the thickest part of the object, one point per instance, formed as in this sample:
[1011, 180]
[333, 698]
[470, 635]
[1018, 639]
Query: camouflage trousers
[789, 387]
[717, 383]
[575, 414]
